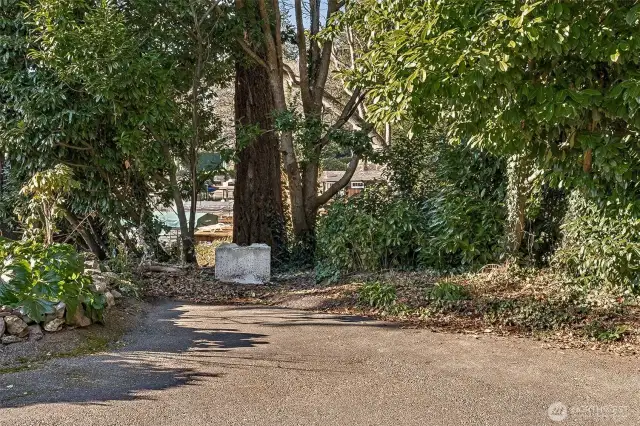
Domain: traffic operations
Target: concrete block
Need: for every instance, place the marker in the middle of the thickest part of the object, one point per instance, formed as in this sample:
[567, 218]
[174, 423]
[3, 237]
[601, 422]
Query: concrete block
[243, 264]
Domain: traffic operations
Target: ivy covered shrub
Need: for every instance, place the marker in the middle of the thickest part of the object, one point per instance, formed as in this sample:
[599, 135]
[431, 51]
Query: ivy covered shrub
[369, 232]
[601, 244]
[35, 277]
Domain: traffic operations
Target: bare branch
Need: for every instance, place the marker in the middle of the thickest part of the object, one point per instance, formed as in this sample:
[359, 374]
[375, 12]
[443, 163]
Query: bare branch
[336, 106]
[355, 120]
[341, 183]
[325, 60]
[303, 66]
[348, 111]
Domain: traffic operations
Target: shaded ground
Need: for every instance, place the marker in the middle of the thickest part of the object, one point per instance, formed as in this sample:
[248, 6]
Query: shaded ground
[536, 305]
[198, 364]
[71, 342]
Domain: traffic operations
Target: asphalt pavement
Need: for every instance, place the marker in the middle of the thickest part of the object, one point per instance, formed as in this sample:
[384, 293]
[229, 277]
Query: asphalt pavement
[243, 365]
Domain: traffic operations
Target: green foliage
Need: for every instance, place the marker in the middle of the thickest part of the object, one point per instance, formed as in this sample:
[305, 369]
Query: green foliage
[447, 297]
[377, 295]
[463, 230]
[77, 91]
[448, 292]
[412, 163]
[34, 277]
[601, 244]
[545, 210]
[308, 132]
[369, 232]
[603, 333]
[47, 192]
[462, 191]
[549, 79]
[105, 89]
[449, 217]
[531, 314]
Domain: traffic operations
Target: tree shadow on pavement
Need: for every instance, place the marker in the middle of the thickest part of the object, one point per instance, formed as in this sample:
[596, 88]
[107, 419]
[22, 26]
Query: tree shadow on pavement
[175, 345]
[152, 359]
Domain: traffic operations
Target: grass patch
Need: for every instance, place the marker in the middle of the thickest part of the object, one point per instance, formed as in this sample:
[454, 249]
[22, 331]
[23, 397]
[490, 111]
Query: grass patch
[19, 368]
[91, 345]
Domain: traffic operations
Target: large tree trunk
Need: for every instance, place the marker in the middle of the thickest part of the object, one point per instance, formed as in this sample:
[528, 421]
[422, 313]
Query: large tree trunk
[258, 209]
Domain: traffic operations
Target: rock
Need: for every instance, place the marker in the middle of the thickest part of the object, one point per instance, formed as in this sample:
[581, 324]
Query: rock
[80, 319]
[99, 285]
[7, 340]
[3, 326]
[116, 294]
[111, 300]
[93, 272]
[60, 309]
[92, 264]
[24, 317]
[54, 325]
[35, 332]
[16, 326]
[6, 309]
[111, 276]
[243, 264]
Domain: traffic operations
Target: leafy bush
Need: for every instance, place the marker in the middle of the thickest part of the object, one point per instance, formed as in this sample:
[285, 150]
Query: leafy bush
[603, 333]
[377, 295]
[464, 230]
[35, 277]
[446, 291]
[443, 208]
[601, 244]
[465, 207]
[375, 230]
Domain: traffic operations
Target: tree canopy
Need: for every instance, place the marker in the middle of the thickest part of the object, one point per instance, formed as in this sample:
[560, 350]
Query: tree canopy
[559, 80]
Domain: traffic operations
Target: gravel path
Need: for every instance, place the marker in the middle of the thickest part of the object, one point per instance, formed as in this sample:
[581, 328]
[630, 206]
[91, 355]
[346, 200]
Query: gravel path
[216, 365]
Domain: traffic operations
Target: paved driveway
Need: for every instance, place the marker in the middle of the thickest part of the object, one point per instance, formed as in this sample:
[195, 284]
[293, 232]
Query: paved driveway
[212, 365]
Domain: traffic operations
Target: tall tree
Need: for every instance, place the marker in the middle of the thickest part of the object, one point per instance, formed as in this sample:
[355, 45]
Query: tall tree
[304, 137]
[258, 213]
[257, 210]
[190, 36]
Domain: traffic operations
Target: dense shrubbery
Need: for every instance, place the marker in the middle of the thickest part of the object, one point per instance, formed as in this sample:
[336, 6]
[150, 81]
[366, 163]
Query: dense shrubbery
[376, 230]
[601, 244]
[35, 277]
[442, 210]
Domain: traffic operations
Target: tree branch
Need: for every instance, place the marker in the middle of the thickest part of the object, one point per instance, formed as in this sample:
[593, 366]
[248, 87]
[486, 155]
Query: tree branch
[325, 60]
[64, 145]
[214, 4]
[253, 55]
[341, 183]
[303, 66]
[347, 112]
